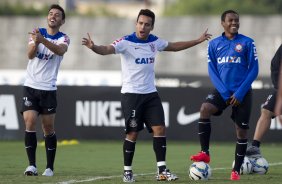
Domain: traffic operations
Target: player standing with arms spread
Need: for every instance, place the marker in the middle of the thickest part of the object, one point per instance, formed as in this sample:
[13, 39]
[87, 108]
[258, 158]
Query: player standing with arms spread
[140, 101]
[232, 66]
[45, 52]
[268, 108]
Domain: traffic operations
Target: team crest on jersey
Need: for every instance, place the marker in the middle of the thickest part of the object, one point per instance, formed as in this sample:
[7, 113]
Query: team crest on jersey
[238, 47]
[153, 49]
[66, 39]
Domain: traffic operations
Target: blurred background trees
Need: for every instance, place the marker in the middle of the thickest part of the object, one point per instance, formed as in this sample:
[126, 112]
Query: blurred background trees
[215, 7]
[112, 8]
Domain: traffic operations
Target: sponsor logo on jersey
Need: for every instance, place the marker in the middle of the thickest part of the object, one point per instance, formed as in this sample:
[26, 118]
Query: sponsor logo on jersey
[145, 60]
[219, 48]
[44, 56]
[229, 59]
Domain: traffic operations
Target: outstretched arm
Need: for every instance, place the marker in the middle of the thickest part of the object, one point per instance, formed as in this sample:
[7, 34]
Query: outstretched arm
[178, 46]
[99, 49]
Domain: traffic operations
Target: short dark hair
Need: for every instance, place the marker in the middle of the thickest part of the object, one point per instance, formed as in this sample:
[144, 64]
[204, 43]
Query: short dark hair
[56, 6]
[148, 13]
[226, 12]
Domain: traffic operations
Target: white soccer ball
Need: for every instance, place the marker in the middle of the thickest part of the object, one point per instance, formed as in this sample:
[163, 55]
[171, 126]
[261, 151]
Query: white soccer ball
[199, 171]
[246, 167]
[260, 165]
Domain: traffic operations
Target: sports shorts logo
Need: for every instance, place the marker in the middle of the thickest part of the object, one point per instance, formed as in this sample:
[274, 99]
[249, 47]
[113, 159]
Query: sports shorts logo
[133, 123]
[184, 119]
[28, 103]
[210, 96]
[244, 124]
[50, 109]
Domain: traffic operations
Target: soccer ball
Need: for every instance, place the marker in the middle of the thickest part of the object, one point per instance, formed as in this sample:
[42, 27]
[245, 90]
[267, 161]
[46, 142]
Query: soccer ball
[246, 167]
[260, 165]
[199, 171]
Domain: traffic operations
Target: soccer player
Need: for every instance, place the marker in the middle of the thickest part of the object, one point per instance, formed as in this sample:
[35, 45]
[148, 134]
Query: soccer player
[268, 108]
[46, 49]
[140, 101]
[232, 66]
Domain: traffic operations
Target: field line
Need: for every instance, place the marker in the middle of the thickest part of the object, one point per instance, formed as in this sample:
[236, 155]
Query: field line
[144, 174]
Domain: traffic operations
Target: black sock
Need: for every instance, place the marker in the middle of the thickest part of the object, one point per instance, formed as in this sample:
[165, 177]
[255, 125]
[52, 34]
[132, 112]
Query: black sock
[50, 146]
[240, 152]
[159, 145]
[204, 134]
[30, 147]
[256, 143]
[128, 152]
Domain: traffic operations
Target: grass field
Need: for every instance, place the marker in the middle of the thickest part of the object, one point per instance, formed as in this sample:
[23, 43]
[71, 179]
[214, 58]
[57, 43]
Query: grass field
[102, 162]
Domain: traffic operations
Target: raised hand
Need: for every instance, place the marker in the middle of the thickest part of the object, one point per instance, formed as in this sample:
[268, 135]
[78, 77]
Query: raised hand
[88, 42]
[36, 36]
[205, 36]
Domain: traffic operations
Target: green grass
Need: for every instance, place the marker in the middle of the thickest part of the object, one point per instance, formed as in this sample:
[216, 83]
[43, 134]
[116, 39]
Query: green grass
[85, 162]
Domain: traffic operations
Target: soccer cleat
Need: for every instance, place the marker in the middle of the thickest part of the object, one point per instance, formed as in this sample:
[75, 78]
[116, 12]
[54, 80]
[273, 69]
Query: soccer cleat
[31, 171]
[166, 175]
[128, 177]
[201, 157]
[253, 151]
[48, 172]
[234, 175]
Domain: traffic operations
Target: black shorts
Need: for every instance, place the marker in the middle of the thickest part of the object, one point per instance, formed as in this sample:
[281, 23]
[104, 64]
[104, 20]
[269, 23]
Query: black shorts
[44, 102]
[140, 109]
[270, 102]
[240, 114]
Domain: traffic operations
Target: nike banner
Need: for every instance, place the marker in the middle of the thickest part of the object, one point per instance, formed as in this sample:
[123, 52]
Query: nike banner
[95, 113]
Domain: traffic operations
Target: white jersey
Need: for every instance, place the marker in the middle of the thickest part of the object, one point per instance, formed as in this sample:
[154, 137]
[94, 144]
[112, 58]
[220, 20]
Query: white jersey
[138, 61]
[42, 70]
